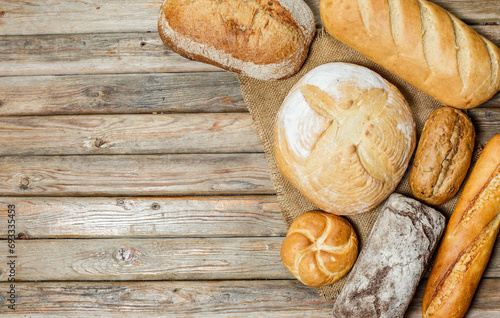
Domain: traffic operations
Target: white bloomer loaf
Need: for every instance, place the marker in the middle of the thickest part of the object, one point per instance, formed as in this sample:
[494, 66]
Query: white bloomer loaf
[343, 137]
[421, 43]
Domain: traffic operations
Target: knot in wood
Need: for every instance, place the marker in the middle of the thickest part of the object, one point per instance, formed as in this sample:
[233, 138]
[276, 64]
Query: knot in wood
[125, 255]
[99, 142]
[155, 206]
[24, 183]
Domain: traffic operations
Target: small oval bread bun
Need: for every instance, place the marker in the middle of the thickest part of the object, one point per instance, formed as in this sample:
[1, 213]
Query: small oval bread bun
[320, 248]
[443, 156]
[263, 39]
[344, 137]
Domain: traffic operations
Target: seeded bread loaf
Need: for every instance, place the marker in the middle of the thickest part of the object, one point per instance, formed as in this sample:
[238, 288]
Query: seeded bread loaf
[443, 156]
[421, 43]
[263, 39]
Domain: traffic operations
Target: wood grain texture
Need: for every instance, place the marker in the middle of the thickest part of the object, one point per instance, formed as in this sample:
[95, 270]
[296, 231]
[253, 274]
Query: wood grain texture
[107, 53]
[128, 134]
[124, 93]
[91, 54]
[148, 259]
[135, 175]
[105, 217]
[36, 17]
[269, 298]
[486, 122]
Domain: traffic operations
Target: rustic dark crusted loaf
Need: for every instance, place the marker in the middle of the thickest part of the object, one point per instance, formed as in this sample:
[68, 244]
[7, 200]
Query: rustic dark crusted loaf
[264, 39]
[392, 262]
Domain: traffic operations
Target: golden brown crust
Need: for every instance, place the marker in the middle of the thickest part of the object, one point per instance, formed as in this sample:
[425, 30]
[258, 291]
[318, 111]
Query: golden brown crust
[262, 39]
[420, 42]
[468, 240]
[344, 137]
[320, 248]
[443, 156]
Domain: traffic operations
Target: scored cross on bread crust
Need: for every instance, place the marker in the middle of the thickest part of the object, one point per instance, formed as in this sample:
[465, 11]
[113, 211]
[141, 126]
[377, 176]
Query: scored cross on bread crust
[345, 143]
[350, 126]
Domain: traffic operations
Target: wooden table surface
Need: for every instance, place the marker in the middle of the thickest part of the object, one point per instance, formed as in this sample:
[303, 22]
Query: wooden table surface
[139, 185]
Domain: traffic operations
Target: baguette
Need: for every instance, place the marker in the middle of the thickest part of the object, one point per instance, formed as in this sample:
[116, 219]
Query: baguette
[263, 39]
[468, 240]
[421, 43]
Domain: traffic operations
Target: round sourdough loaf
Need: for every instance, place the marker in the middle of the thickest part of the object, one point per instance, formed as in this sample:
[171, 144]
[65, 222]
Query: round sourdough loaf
[320, 248]
[263, 39]
[343, 137]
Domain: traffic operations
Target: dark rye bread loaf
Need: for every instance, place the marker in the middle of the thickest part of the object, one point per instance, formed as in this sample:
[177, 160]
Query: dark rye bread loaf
[263, 39]
[392, 262]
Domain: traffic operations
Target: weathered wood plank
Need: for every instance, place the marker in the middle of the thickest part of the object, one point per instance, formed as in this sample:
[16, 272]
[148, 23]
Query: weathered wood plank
[276, 298]
[107, 53]
[124, 93]
[269, 298]
[100, 217]
[128, 134]
[91, 54]
[157, 259]
[47, 17]
[147, 259]
[486, 122]
[135, 175]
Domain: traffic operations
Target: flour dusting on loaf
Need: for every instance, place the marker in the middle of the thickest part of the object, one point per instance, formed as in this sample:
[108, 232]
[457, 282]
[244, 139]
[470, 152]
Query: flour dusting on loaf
[392, 262]
[344, 137]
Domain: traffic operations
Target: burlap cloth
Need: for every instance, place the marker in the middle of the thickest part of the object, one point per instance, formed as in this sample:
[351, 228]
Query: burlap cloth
[264, 98]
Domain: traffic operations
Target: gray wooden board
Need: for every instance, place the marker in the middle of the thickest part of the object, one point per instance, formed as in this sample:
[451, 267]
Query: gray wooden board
[129, 175]
[104, 217]
[120, 93]
[147, 259]
[128, 134]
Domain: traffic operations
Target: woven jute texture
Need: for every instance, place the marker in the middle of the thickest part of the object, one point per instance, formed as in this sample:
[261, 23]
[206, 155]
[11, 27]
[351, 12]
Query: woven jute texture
[264, 98]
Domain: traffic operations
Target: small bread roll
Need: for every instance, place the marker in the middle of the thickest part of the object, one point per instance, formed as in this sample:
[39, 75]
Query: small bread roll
[443, 156]
[344, 137]
[320, 248]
